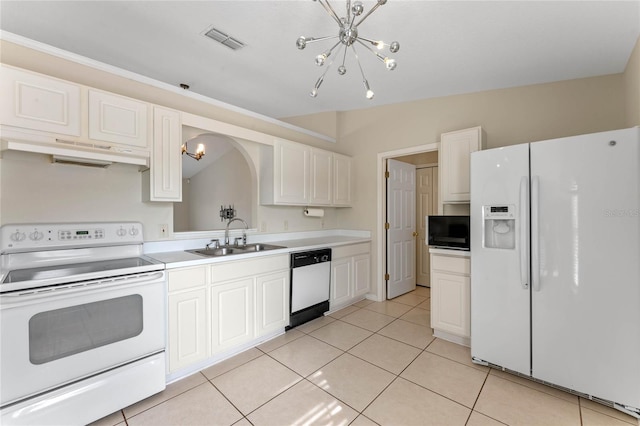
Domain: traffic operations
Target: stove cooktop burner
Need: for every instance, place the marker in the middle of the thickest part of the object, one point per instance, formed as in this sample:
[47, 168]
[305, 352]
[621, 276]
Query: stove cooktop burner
[57, 271]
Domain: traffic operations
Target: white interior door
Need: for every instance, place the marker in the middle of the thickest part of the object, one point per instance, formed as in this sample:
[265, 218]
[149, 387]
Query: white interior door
[426, 204]
[401, 217]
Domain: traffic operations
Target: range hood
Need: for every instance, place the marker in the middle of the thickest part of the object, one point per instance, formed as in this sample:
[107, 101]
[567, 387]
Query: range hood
[96, 153]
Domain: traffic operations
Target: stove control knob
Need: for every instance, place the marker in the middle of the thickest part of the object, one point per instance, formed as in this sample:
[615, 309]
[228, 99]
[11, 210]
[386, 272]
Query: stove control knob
[121, 232]
[36, 235]
[18, 236]
[134, 231]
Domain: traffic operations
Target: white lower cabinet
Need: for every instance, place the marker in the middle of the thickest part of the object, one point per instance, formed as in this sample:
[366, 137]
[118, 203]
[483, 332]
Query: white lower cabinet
[217, 307]
[187, 303]
[187, 328]
[272, 302]
[350, 274]
[451, 296]
[232, 314]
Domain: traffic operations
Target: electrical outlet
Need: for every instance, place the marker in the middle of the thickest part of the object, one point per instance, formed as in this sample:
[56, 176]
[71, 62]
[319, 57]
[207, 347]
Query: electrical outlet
[163, 229]
[286, 225]
[263, 226]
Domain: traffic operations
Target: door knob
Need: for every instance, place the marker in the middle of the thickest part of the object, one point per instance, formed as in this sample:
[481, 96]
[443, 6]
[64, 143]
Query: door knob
[416, 233]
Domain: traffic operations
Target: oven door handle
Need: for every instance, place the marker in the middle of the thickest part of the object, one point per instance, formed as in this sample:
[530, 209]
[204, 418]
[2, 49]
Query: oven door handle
[81, 287]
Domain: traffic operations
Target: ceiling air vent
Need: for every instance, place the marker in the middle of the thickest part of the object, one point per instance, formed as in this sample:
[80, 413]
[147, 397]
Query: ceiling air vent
[223, 38]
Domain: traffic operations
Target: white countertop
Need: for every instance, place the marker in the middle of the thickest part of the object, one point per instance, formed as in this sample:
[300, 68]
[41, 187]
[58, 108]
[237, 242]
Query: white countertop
[309, 241]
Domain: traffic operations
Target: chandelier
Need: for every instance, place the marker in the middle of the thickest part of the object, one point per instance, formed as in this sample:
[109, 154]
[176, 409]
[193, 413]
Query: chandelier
[198, 154]
[347, 38]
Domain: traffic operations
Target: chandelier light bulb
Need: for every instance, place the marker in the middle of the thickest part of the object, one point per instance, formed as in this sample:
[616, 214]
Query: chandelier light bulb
[301, 43]
[370, 94]
[314, 93]
[394, 47]
[320, 59]
[342, 70]
[390, 63]
[379, 44]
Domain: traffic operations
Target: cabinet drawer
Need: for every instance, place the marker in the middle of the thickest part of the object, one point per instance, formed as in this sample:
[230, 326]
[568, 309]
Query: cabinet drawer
[458, 265]
[183, 278]
[225, 271]
[351, 250]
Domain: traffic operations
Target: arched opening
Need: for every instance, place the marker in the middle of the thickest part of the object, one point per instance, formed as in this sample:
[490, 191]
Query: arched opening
[225, 176]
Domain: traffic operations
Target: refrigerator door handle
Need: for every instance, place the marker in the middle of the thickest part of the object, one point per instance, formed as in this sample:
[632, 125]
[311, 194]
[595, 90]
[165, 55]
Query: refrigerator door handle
[535, 233]
[524, 237]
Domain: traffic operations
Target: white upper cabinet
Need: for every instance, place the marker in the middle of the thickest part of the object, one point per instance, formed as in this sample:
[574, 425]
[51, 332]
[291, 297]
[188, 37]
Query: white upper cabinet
[117, 119]
[291, 173]
[455, 160]
[341, 180]
[163, 180]
[35, 101]
[299, 175]
[321, 177]
[52, 112]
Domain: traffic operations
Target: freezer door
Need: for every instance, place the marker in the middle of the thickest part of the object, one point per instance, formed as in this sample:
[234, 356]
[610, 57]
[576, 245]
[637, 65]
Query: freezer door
[586, 304]
[500, 314]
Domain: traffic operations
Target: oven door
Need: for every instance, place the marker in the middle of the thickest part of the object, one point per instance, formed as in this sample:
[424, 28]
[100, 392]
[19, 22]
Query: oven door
[51, 338]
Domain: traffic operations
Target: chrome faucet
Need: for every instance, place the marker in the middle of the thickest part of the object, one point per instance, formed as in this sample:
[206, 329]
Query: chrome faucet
[244, 233]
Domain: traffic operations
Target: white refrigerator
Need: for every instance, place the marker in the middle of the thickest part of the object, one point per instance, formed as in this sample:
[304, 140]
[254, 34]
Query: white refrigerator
[555, 263]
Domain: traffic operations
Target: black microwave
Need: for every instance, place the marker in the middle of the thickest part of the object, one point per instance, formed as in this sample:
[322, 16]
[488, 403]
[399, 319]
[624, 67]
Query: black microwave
[448, 232]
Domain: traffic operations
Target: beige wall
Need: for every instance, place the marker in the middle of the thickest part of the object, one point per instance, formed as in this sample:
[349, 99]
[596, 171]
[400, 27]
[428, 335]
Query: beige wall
[324, 122]
[226, 181]
[509, 116]
[632, 87]
[35, 190]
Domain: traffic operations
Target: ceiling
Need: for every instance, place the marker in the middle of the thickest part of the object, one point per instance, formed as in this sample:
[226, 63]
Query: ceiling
[447, 48]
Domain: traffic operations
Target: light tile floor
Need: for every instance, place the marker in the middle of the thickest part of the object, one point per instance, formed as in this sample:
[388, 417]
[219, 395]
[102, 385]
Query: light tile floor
[371, 363]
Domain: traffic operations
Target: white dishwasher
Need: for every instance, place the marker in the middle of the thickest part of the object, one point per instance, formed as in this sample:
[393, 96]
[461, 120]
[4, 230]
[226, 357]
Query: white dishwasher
[310, 285]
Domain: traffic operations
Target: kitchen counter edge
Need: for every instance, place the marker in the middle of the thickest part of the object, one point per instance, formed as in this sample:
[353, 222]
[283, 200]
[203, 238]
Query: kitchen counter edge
[181, 259]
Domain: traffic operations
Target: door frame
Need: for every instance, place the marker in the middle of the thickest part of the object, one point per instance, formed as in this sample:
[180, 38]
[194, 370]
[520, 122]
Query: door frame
[381, 234]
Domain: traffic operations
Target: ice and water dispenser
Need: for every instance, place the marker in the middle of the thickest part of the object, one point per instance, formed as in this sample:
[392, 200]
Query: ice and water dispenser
[499, 223]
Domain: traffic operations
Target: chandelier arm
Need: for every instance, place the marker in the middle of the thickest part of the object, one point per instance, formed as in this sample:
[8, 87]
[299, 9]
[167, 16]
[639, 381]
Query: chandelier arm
[373, 9]
[330, 51]
[314, 39]
[364, 79]
[330, 11]
[344, 58]
[379, 56]
[374, 42]
[348, 10]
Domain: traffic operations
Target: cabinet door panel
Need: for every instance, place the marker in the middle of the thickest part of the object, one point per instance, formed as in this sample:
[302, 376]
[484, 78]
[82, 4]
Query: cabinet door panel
[34, 101]
[321, 177]
[361, 274]
[117, 119]
[272, 302]
[450, 303]
[291, 173]
[166, 161]
[187, 328]
[341, 180]
[341, 281]
[232, 313]
[456, 149]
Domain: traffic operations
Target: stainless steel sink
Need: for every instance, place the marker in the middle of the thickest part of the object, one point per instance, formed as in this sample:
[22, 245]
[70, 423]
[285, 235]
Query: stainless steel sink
[222, 251]
[231, 250]
[260, 247]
